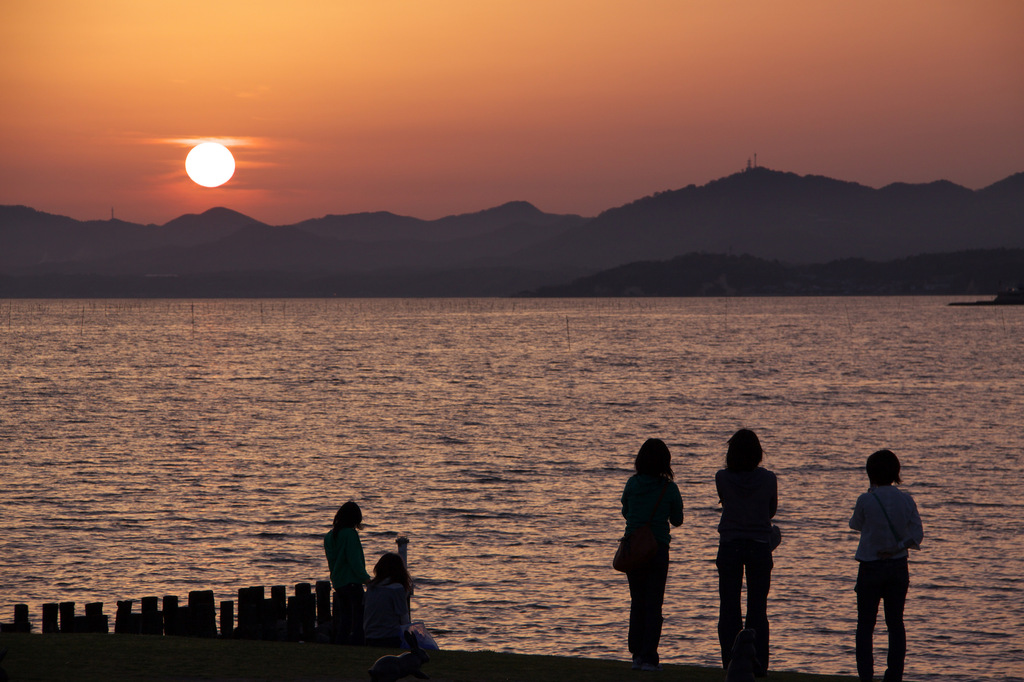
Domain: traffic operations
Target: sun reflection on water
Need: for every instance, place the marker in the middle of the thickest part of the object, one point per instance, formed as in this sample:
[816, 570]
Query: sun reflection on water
[150, 452]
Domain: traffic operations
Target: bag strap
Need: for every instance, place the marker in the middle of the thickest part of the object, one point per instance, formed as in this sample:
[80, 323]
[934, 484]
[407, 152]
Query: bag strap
[657, 504]
[899, 538]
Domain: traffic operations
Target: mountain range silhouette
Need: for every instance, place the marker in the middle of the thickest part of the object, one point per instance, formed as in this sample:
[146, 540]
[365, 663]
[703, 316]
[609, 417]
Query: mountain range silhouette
[765, 214]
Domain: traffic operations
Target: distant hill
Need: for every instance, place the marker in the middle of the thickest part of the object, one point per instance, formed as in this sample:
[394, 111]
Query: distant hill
[695, 274]
[775, 215]
[767, 214]
[223, 241]
[388, 227]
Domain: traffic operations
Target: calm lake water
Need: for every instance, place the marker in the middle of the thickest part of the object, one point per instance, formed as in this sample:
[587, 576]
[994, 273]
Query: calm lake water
[157, 447]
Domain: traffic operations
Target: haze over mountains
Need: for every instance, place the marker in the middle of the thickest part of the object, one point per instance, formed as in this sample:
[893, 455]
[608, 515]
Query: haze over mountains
[767, 214]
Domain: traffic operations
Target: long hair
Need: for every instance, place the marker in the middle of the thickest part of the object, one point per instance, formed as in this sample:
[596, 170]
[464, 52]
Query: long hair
[391, 567]
[654, 459]
[744, 452]
[349, 516]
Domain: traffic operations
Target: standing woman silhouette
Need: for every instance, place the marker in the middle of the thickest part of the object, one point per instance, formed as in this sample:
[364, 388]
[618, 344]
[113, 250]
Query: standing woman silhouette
[749, 496]
[652, 497]
[889, 525]
[348, 573]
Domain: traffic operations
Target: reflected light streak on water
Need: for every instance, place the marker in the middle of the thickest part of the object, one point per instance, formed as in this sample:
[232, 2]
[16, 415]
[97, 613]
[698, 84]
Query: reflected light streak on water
[147, 454]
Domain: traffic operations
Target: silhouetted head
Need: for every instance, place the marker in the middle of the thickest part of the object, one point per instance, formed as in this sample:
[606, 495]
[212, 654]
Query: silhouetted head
[391, 567]
[654, 459]
[349, 516]
[744, 453]
[883, 468]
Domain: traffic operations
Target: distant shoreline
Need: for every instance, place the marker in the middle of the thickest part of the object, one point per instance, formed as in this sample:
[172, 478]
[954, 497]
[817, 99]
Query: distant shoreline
[976, 273]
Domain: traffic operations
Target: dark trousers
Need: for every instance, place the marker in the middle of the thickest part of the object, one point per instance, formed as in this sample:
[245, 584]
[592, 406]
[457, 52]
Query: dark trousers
[390, 642]
[886, 581]
[646, 596]
[735, 557]
[347, 623]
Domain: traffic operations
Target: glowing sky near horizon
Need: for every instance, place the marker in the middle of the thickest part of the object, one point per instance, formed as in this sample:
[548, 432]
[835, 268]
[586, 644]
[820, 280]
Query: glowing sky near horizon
[429, 108]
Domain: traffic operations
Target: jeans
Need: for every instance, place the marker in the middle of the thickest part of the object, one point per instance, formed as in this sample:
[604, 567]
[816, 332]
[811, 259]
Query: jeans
[348, 615]
[735, 556]
[885, 580]
[646, 596]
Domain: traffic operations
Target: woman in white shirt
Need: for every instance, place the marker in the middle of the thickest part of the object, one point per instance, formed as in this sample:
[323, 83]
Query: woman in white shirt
[889, 525]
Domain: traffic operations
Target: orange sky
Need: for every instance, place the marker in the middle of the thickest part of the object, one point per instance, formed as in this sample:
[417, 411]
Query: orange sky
[434, 107]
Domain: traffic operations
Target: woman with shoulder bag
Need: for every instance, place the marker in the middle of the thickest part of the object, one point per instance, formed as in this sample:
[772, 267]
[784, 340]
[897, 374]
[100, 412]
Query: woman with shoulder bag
[650, 498]
[889, 525]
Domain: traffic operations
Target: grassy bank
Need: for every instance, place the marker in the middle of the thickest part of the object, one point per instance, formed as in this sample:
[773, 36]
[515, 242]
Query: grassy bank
[132, 657]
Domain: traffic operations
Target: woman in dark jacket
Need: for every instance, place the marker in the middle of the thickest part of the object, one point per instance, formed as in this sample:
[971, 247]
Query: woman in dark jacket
[652, 497]
[749, 496]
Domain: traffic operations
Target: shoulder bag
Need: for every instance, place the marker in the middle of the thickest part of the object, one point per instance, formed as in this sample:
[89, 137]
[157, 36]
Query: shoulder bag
[636, 549]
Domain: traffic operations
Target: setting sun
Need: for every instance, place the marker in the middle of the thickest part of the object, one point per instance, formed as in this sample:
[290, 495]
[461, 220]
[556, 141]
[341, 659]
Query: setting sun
[439, 108]
[210, 164]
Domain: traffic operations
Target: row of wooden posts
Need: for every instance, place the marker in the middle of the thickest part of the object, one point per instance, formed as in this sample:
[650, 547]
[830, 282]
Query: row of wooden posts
[306, 616]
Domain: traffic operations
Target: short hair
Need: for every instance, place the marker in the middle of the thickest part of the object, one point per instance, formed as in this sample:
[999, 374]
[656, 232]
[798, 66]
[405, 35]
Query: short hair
[744, 453]
[654, 459]
[349, 516]
[883, 468]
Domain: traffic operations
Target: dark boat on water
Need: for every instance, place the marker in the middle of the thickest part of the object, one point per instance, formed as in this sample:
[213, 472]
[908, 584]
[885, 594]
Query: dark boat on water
[1011, 296]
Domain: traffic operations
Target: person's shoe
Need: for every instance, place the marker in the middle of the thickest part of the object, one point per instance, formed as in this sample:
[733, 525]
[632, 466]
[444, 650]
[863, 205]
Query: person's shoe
[650, 667]
[636, 663]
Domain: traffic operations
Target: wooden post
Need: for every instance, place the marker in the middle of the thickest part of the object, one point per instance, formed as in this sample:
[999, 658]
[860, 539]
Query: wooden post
[247, 614]
[268, 617]
[94, 618]
[123, 618]
[336, 635]
[244, 619]
[403, 551]
[278, 605]
[184, 621]
[67, 616]
[50, 618]
[323, 602]
[152, 619]
[202, 613]
[250, 605]
[307, 611]
[279, 601]
[21, 622]
[173, 624]
[294, 629]
[227, 618]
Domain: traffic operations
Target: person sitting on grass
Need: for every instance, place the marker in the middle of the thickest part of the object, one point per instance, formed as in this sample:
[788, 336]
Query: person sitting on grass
[387, 602]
